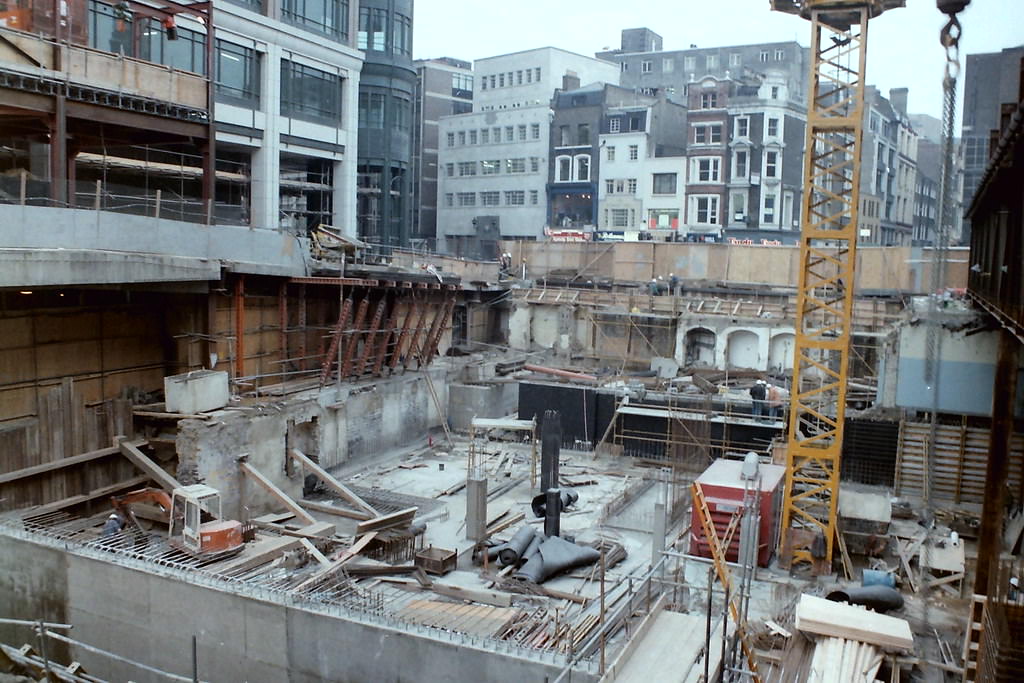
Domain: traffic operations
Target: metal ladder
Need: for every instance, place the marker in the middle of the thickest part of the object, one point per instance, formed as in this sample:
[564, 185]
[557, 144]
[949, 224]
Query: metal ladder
[724, 575]
[440, 411]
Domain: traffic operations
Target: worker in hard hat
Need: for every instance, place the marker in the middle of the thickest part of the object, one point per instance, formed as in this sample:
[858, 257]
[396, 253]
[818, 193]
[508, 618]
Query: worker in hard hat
[673, 284]
[758, 394]
[113, 525]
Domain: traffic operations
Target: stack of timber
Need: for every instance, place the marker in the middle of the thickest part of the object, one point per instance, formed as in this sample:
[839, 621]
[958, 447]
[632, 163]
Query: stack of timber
[837, 660]
[838, 620]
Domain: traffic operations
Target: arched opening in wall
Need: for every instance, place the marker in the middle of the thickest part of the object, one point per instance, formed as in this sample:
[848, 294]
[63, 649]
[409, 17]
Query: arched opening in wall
[700, 347]
[742, 350]
[780, 352]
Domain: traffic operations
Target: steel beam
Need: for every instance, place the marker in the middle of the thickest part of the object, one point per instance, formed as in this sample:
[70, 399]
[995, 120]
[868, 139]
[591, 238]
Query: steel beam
[302, 327]
[1004, 394]
[371, 337]
[389, 332]
[437, 329]
[353, 340]
[406, 326]
[282, 321]
[417, 332]
[828, 252]
[332, 350]
[240, 326]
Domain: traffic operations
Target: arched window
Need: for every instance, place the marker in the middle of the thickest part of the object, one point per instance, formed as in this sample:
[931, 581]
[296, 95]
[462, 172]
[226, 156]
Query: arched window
[582, 164]
[563, 169]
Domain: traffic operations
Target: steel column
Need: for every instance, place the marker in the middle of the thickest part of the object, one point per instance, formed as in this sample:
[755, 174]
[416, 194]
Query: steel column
[240, 327]
[414, 344]
[828, 249]
[1004, 399]
[437, 329]
[302, 327]
[282, 321]
[389, 332]
[332, 350]
[397, 352]
[371, 337]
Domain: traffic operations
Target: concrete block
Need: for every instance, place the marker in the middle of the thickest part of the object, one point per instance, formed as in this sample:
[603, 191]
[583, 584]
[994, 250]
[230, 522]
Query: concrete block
[666, 368]
[195, 392]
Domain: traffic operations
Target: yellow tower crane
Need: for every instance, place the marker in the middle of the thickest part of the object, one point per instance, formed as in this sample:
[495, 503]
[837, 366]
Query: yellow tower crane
[828, 251]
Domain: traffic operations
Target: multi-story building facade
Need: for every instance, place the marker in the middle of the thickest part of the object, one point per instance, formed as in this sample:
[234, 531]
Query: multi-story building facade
[888, 170]
[990, 79]
[641, 188]
[745, 130]
[278, 125]
[493, 163]
[444, 87]
[386, 90]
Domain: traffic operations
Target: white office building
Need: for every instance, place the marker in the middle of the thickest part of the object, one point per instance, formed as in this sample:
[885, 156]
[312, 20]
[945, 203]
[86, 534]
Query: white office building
[493, 163]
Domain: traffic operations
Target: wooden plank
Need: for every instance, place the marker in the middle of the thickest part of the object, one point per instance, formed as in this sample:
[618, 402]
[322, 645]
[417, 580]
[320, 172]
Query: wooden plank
[274, 491]
[130, 450]
[334, 510]
[57, 464]
[255, 554]
[339, 559]
[86, 497]
[498, 528]
[317, 555]
[317, 530]
[824, 617]
[328, 479]
[399, 518]
[487, 597]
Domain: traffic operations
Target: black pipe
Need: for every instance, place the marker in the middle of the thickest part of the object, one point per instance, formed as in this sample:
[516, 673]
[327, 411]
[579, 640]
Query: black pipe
[550, 445]
[539, 504]
[879, 598]
[553, 513]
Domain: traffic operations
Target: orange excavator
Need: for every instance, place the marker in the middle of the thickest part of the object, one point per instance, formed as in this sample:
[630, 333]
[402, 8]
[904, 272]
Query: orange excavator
[185, 511]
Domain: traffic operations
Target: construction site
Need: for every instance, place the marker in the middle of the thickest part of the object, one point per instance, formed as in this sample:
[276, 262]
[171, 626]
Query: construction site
[237, 453]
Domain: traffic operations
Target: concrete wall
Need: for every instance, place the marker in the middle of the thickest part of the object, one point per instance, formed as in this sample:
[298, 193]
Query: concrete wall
[466, 401]
[75, 247]
[353, 422]
[151, 617]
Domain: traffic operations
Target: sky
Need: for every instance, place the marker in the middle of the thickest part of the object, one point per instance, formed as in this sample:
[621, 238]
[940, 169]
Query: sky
[903, 44]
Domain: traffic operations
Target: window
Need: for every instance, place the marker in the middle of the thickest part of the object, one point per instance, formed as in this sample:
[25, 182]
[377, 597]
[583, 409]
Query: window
[738, 206]
[515, 197]
[493, 82]
[735, 59]
[485, 136]
[739, 165]
[712, 62]
[187, 53]
[668, 65]
[705, 170]
[472, 137]
[238, 74]
[620, 218]
[631, 185]
[609, 187]
[646, 66]
[308, 93]
[501, 80]
[372, 24]
[689, 63]
[707, 134]
[535, 131]
[515, 165]
[614, 125]
[462, 85]
[496, 134]
[742, 126]
[563, 169]
[467, 198]
[635, 123]
[490, 167]
[773, 127]
[529, 76]
[769, 209]
[764, 55]
[483, 83]
[462, 137]
[449, 199]
[449, 169]
[401, 38]
[582, 163]
[461, 107]
[771, 165]
[634, 152]
[583, 134]
[536, 74]
[107, 32]
[780, 55]
[775, 92]
[510, 134]
[620, 186]
[534, 164]
[329, 17]
[664, 183]
[467, 168]
[708, 100]
[451, 139]
[623, 66]
[610, 153]
[492, 198]
[519, 77]
[564, 136]
[705, 209]
[665, 219]
[534, 196]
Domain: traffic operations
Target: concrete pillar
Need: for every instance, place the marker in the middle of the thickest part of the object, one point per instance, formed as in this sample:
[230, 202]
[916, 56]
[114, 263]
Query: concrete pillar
[266, 160]
[476, 506]
[550, 447]
[1004, 398]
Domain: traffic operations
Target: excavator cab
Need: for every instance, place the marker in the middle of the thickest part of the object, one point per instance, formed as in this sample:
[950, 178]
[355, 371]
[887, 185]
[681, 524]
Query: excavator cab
[190, 506]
